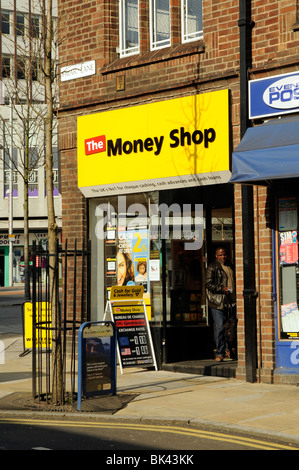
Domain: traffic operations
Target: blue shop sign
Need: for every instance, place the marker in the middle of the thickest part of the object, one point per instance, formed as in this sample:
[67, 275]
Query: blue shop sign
[274, 96]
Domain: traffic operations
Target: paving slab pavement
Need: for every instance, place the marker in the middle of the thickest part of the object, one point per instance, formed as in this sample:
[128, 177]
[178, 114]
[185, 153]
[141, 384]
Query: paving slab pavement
[165, 396]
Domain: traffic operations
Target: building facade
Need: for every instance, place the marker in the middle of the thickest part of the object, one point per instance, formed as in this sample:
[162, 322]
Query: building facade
[150, 117]
[22, 140]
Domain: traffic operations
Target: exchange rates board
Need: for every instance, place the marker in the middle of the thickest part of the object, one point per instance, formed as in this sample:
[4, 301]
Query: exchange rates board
[133, 336]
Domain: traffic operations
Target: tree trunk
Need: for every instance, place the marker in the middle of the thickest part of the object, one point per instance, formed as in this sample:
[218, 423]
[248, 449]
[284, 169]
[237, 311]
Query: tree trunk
[57, 393]
[26, 213]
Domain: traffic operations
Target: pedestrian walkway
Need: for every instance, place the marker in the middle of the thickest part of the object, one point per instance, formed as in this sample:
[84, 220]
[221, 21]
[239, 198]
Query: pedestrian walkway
[174, 397]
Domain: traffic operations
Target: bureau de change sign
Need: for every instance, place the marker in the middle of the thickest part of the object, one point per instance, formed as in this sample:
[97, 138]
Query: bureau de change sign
[127, 310]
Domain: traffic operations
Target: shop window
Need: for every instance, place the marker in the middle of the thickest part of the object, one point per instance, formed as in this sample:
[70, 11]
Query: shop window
[130, 245]
[192, 21]
[288, 267]
[129, 27]
[160, 23]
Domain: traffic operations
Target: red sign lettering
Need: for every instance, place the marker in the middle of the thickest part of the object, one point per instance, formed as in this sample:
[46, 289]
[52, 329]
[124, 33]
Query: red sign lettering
[95, 145]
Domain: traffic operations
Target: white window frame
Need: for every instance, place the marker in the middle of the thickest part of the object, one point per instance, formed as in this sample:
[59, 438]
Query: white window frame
[155, 43]
[188, 36]
[123, 49]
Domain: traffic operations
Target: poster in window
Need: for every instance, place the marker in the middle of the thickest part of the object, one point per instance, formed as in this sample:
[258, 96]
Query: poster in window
[290, 318]
[288, 247]
[132, 258]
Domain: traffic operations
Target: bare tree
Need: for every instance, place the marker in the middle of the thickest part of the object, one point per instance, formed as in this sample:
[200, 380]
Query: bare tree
[25, 89]
[34, 91]
[52, 225]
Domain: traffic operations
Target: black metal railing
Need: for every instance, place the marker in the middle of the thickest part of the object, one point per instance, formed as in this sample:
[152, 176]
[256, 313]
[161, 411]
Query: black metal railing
[60, 304]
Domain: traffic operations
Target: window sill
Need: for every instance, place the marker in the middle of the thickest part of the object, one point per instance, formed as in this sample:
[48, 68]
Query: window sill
[151, 57]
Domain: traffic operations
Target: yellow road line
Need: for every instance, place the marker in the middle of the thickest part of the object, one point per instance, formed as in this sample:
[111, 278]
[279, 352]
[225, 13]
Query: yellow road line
[250, 442]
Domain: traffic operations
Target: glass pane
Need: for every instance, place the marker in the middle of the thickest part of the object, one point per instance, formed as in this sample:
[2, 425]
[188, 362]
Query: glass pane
[193, 19]
[131, 24]
[288, 263]
[20, 25]
[33, 183]
[21, 68]
[5, 23]
[7, 165]
[5, 67]
[161, 23]
[35, 26]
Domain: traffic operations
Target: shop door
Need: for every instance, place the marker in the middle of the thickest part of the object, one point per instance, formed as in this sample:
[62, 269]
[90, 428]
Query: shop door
[189, 326]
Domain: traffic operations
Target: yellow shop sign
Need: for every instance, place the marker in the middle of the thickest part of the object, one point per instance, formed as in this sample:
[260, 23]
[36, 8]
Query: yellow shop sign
[168, 144]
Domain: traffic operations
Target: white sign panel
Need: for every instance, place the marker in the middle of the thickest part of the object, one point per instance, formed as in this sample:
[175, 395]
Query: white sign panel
[71, 72]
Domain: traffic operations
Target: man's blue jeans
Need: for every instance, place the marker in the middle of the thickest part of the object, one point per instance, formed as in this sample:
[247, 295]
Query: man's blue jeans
[219, 317]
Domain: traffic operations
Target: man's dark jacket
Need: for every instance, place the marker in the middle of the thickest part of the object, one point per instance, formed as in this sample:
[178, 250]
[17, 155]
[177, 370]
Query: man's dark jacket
[216, 279]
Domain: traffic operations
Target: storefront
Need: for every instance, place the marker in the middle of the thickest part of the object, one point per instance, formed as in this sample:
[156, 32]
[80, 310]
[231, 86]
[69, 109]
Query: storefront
[18, 255]
[159, 203]
[268, 156]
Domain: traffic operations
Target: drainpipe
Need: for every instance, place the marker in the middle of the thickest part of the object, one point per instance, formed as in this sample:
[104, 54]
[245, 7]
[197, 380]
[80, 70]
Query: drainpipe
[249, 293]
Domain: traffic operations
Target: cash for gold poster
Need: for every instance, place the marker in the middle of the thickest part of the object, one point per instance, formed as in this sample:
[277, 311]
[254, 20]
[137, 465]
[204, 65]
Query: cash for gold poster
[133, 335]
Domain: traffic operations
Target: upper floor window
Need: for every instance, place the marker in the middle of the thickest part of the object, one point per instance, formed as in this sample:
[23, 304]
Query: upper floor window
[5, 66]
[34, 26]
[21, 68]
[5, 22]
[191, 20]
[129, 27]
[20, 24]
[10, 163]
[160, 24]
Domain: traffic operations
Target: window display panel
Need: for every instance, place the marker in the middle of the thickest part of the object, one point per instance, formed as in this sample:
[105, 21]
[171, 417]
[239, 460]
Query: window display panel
[125, 251]
[288, 267]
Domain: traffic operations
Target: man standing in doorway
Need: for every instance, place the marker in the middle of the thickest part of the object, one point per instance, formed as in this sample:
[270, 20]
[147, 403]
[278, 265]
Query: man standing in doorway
[220, 288]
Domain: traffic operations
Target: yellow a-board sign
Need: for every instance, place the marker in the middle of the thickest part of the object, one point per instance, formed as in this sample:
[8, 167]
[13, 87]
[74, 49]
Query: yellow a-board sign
[126, 292]
[43, 321]
[130, 293]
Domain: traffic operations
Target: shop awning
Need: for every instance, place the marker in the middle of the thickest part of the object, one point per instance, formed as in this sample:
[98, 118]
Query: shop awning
[267, 152]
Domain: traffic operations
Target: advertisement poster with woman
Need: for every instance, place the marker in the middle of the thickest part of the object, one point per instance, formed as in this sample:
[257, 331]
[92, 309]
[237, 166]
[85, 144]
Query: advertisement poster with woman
[132, 258]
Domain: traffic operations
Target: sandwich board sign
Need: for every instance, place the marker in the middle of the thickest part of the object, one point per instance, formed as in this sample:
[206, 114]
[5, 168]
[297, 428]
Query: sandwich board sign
[41, 326]
[96, 360]
[127, 309]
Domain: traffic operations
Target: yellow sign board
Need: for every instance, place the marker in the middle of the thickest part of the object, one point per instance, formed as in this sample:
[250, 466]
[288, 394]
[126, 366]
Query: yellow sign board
[163, 145]
[126, 293]
[43, 319]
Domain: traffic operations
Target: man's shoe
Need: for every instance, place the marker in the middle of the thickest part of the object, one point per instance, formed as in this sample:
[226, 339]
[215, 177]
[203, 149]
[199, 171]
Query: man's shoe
[219, 359]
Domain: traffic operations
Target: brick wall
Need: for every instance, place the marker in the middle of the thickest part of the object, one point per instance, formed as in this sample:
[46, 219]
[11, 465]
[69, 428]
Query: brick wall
[264, 283]
[91, 33]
